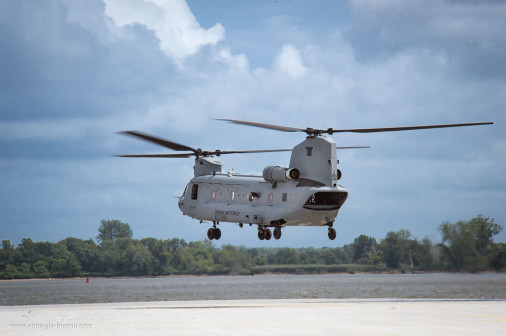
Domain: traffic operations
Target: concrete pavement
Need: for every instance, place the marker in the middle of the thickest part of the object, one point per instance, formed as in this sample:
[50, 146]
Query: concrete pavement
[260, 317]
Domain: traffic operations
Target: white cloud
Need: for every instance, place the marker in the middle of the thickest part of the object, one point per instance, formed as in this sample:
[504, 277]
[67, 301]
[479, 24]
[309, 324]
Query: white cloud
[239, 61]
[173, 23]
[289, 61]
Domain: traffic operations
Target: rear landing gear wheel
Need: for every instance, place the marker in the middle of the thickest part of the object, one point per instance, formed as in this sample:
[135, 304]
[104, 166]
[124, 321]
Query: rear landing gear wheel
[277, 232]
[267, 234]
[261, 234]
[332, 233]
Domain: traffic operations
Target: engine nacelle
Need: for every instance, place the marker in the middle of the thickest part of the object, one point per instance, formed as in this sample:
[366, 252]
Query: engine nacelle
[280, 174]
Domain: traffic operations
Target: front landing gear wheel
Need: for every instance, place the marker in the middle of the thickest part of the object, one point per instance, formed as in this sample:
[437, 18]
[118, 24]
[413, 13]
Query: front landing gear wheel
[332, 233]
[214, 233]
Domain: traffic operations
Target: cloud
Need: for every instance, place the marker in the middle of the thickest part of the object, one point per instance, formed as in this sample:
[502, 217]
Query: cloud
[465, 37]
[173, 23]
[289, 61]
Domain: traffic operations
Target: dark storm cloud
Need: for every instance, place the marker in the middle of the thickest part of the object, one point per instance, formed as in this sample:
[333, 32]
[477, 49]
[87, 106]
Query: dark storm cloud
[464, 37]
[63, 75]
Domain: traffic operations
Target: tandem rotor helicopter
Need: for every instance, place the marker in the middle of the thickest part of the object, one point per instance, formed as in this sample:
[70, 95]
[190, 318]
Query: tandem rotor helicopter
[306, 193]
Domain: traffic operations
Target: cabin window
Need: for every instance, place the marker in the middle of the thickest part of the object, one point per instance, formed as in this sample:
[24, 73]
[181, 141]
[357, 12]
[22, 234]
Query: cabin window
[213, 194]
[232, 195]
[326, 200]
[195, 191]
[252, 195]
[270, 197]
[284, 197]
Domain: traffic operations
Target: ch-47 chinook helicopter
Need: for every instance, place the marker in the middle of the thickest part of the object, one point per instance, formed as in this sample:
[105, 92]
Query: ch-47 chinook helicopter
[306, 193]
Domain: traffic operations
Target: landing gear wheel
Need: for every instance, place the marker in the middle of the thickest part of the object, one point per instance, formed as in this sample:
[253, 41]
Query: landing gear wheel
[277, 232]
[267, 234]
[332, 233]
[261, 234]
[217, 234]
[210, 233]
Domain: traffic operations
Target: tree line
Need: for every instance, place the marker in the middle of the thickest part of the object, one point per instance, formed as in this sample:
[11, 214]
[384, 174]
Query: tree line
[464, 246]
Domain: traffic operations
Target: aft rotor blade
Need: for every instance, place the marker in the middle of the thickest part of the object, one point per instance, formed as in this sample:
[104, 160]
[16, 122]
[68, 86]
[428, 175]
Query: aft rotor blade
[160, 141]
[314, 131]
[407, 128]
[263, 125]
[253, 151]
[353, 147]
[182, 155]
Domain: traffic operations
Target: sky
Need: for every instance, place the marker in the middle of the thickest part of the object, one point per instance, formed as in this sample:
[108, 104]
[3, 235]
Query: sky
[75, 72]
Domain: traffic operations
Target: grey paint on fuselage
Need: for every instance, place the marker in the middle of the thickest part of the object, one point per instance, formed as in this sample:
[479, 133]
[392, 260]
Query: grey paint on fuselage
[233, 201]
[250, 199]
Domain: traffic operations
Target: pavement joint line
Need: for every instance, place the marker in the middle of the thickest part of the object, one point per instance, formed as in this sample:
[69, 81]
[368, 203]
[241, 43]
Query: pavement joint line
[491, 317]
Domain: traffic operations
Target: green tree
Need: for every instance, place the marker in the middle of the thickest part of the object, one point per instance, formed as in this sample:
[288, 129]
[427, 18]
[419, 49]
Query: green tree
[27, 251]
[469, 244]
[40, 269]
[113, 229]
[7, 254]
[25, 270]
[391, 248]
[457, 244]
[499, 257]
[425, 254]
[310, 255]
[364, 249]
[139, 260]
[284, 256]
[397, 248]
[237, 261]
[110, 258]
[10, 272]
[194, 259]
[161, 257]
[484, 229]
[62, 263]
[87, 253]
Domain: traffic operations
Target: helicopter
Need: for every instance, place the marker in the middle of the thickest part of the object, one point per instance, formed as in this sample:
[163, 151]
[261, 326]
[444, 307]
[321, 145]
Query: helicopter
[306, 193]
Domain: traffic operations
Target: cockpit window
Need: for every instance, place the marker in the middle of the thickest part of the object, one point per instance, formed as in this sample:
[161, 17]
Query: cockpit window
[195, 191]
[326, 200]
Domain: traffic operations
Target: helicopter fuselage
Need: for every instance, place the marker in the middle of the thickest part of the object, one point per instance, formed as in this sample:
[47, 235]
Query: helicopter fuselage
[250, 199]
[304, 194]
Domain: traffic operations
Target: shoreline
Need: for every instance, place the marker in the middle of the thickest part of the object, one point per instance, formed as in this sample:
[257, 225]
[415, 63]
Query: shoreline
[245, 275]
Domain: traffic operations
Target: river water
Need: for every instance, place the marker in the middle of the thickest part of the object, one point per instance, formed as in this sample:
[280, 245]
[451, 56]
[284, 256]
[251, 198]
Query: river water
[328, 286]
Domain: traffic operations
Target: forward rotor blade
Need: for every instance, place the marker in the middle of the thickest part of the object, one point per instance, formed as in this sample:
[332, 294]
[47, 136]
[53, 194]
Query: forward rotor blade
[182, 155]
[263, 125]
[407, 128]
[159, 141]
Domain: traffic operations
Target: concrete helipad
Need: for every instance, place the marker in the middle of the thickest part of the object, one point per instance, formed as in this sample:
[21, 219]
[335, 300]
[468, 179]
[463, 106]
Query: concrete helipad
[260, 317]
